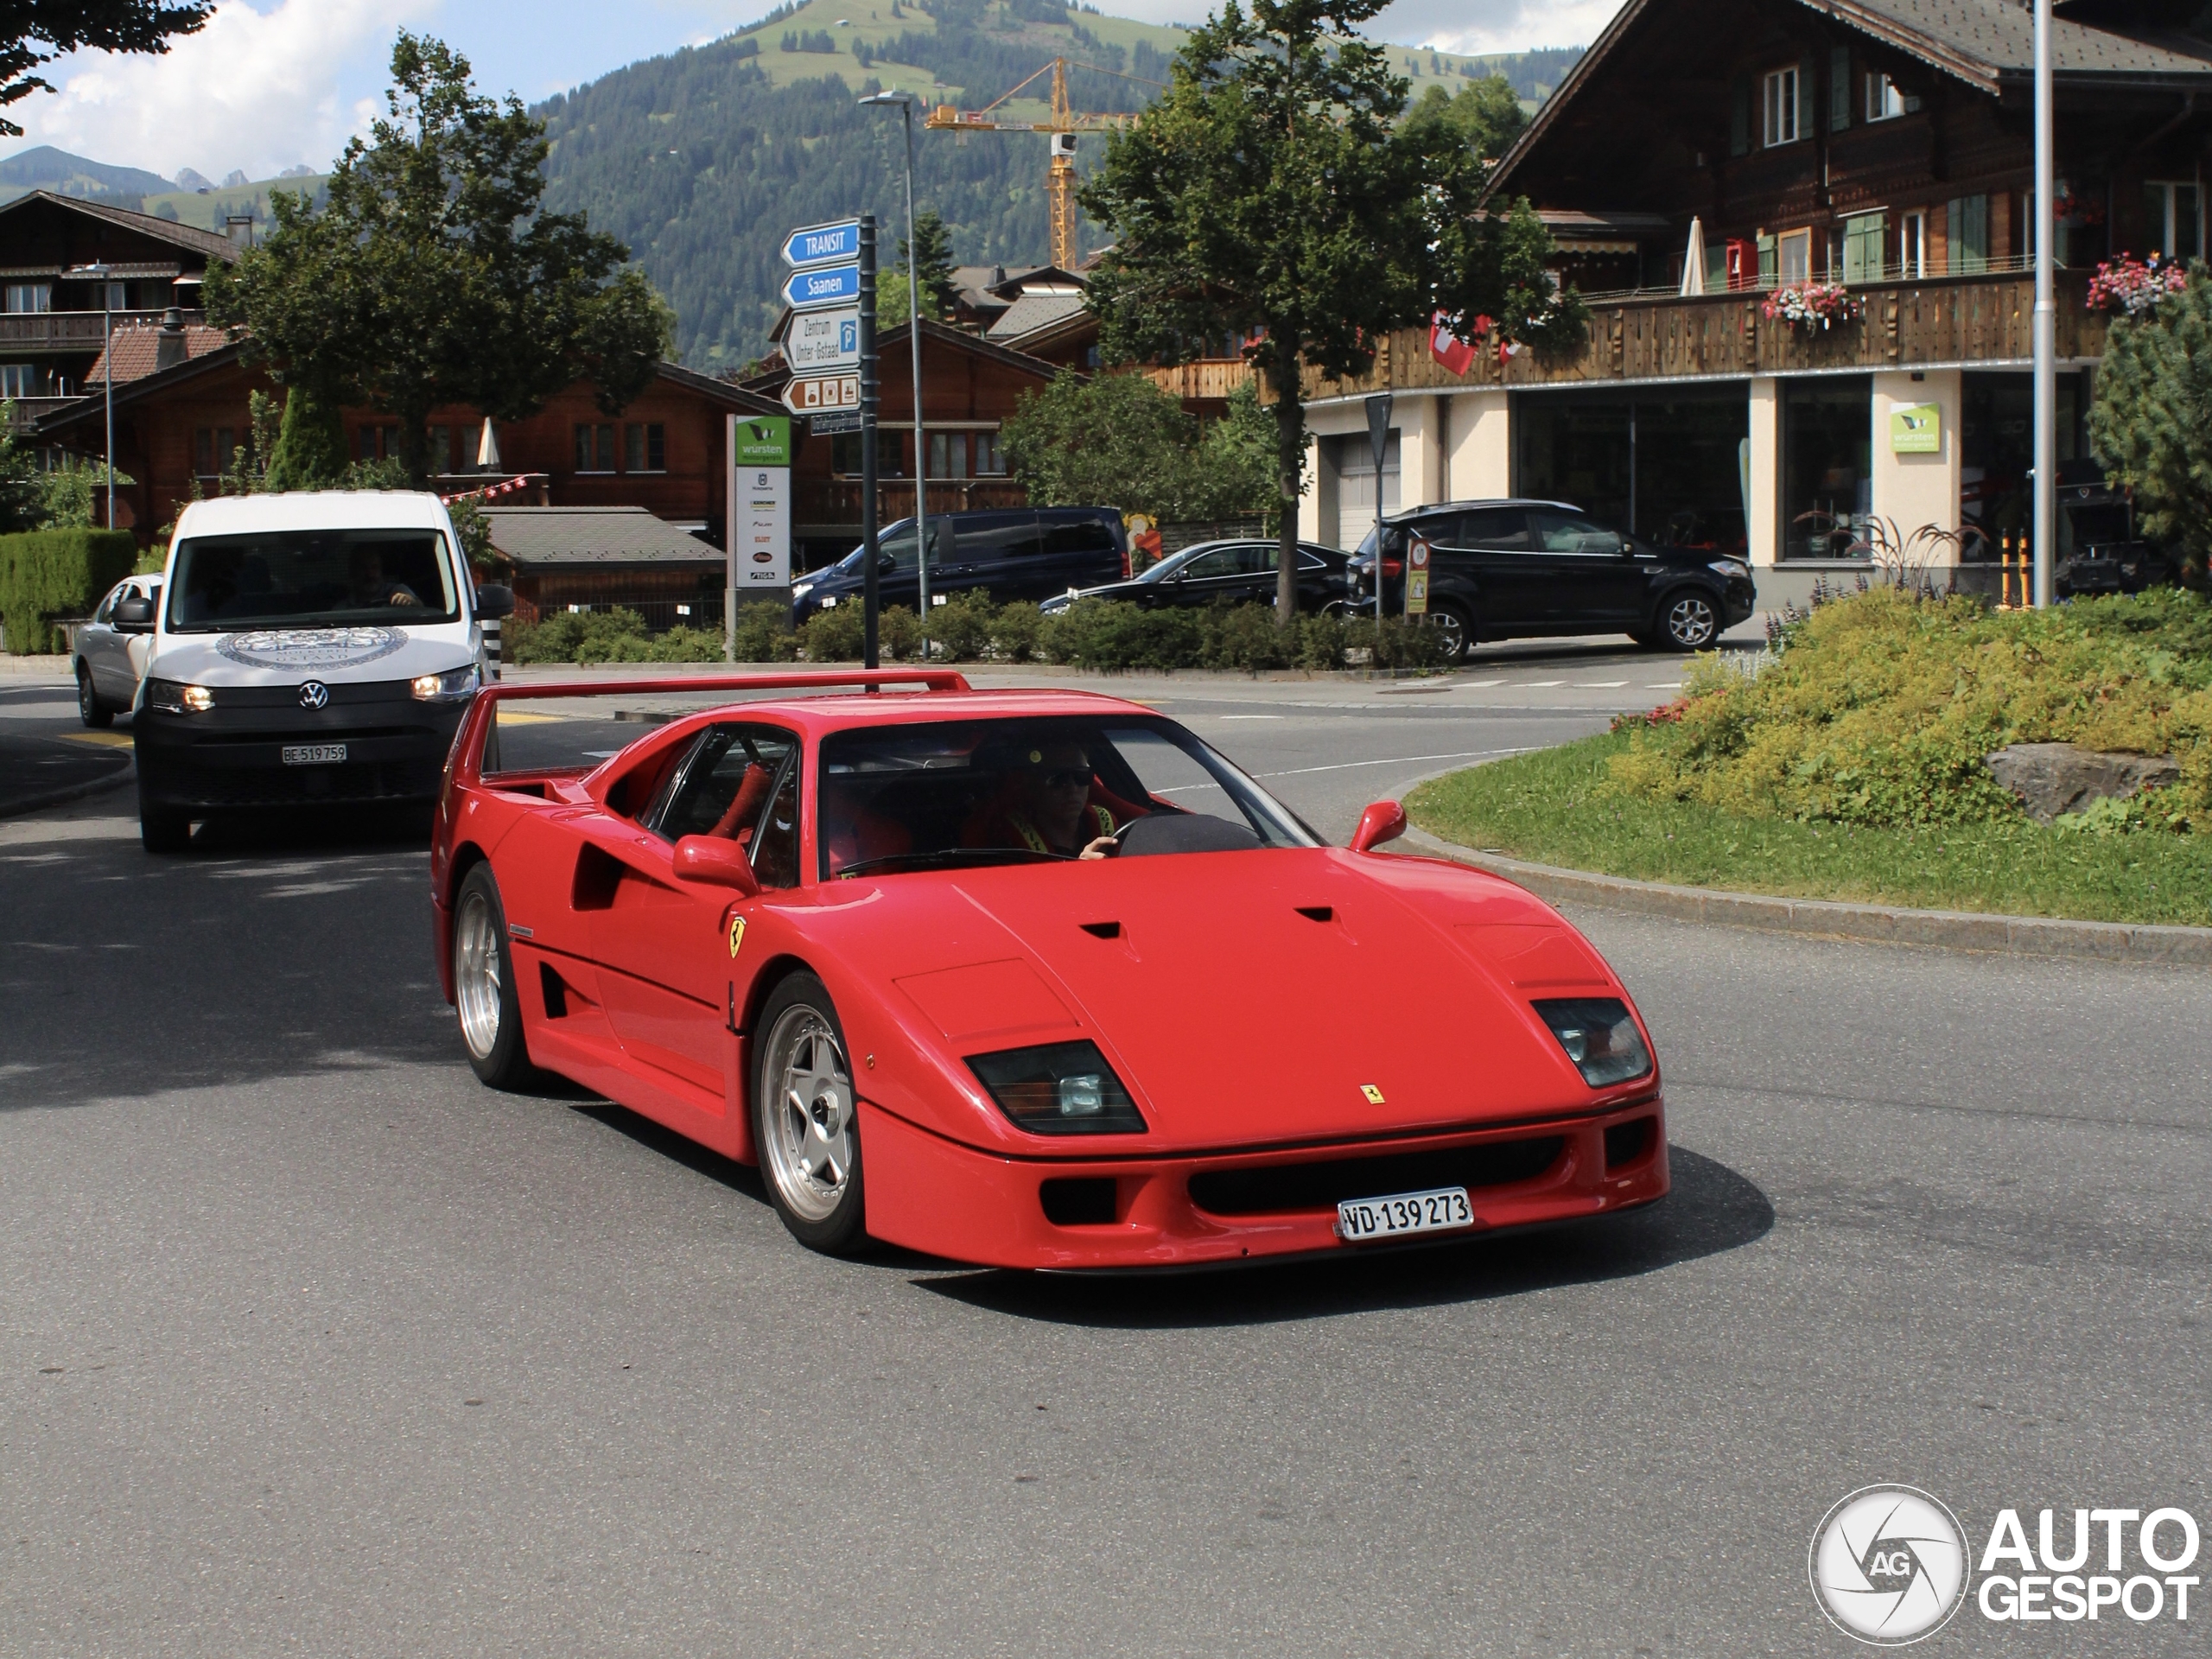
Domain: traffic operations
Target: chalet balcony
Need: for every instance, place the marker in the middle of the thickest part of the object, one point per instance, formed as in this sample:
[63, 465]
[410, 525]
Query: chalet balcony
[837, 502]
[24, 413]
[73, 331]
[1209, 380]
[1986, 318]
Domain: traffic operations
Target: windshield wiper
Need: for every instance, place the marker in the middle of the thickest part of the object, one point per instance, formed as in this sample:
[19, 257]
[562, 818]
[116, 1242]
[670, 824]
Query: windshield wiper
[951, 856]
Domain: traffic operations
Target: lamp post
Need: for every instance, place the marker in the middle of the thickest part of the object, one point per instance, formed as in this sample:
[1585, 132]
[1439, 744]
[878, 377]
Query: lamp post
[906, 102]
[99, 273]
[2046, 322]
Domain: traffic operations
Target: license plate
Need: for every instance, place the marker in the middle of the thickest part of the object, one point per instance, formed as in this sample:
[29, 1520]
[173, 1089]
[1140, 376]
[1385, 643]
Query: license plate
[1404, 1213]
[314, 754]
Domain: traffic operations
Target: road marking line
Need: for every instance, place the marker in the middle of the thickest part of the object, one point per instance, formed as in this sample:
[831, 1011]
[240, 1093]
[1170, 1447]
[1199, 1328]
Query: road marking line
[1477, 685]
[1533, 685]
[1664, 685]
[1599, 685]
[105, 739]
[1248, 716]
[506, 719]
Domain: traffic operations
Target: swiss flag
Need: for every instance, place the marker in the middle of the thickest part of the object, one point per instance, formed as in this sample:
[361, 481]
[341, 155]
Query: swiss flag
[1448, 348]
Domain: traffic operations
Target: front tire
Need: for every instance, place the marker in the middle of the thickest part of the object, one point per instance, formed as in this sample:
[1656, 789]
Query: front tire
[805, 1119]
[89, 709]
[484, 985]
[163, 829]
[1688, 620]
[1455, 633]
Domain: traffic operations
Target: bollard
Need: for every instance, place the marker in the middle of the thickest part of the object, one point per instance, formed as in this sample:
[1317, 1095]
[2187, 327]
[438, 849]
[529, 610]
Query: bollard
[491, 645]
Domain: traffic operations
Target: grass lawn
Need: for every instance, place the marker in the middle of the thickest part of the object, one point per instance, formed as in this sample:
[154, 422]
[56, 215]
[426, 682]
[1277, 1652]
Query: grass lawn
[1551, 808]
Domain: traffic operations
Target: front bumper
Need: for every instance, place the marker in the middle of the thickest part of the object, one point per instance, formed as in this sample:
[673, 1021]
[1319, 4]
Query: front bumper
[931, 1194]
[232, 756]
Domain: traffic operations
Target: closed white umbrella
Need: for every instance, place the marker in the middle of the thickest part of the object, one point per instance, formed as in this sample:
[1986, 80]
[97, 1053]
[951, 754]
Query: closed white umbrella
[487, 449]
[1693, 259]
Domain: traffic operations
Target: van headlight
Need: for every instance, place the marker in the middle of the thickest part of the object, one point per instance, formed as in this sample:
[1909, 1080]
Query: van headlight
[173, 697]
[454, 685]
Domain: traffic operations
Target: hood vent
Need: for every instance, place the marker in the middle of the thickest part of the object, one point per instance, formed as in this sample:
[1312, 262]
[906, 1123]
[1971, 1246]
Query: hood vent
[1316, 912]
[1102, 929]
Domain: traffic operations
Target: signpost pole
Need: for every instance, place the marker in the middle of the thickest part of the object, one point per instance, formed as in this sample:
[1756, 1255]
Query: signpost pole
[732, 518]
[2044, 335]
[1379, 444]
[871, 390]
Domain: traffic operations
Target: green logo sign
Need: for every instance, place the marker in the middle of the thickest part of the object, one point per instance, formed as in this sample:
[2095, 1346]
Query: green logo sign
[1917, 431]
[764, 441]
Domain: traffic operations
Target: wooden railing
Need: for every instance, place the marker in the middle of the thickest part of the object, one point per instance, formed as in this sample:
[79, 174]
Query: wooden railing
[74, 331]
[1209, 380]
[27, 411]
[838, 501]
[1901, 325]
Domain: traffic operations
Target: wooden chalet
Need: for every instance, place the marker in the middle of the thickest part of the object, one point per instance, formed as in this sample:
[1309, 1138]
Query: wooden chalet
[1704, 155]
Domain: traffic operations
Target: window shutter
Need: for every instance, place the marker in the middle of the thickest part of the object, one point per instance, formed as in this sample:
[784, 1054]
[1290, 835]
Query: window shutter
[1770, 260]
[1740, 118]
[1970, 235]
[1864, 251]
[1839, 88]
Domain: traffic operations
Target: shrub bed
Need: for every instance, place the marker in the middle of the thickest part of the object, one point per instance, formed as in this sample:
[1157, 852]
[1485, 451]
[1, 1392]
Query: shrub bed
[46, 573]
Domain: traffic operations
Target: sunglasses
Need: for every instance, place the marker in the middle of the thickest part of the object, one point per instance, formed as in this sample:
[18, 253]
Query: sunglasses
[1065, 779]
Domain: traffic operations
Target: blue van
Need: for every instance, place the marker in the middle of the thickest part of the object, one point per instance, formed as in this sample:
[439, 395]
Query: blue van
[1013, 553]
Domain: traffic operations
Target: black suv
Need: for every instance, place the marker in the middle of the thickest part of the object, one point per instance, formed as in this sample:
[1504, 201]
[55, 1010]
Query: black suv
[1017, 553]
[1508, 569]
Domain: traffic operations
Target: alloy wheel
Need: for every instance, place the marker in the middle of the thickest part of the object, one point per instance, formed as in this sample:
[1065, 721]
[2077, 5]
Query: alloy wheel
[476, 973]
[1690, 623]
[810, 1146]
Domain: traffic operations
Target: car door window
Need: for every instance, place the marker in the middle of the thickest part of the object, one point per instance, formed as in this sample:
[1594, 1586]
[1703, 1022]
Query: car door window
[998, 539]
[1562, 532]
[1222, 561]
[1082, 536]
[724, 785]
[775, 845]
[1496, 529]
[107, 605]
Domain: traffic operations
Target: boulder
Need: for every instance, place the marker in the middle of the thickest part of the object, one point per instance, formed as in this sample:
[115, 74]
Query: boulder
[2052, 779]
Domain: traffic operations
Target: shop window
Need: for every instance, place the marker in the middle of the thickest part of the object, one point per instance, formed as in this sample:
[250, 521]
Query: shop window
[18, 380]
[1997, 452]
[991, 456]
[644, 446]
[1827, 478]
[2174, 219]
[948, 455]
[1783, 125]
[29, 296]
[594, 447]
[1666, 469]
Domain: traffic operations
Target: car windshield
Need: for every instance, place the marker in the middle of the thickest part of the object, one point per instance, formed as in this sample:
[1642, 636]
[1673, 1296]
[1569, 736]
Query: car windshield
[960, 793]
[311, 578]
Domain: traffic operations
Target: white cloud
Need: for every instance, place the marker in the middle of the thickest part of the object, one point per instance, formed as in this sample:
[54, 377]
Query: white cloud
[257, 90]
[1494, 25]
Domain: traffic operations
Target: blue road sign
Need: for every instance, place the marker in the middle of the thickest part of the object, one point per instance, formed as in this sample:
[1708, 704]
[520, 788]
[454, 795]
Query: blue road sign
[809, 290]
[821, 245]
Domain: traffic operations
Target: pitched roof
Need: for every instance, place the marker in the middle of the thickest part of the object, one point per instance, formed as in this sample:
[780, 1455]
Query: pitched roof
[206, 243]
[1989, 44]
[1029, 313]
[136, 347]
[536, 536]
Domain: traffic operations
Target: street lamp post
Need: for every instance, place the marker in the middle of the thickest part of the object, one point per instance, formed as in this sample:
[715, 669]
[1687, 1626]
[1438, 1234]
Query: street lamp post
[906, 102]
[2046, 321]
[107, 357]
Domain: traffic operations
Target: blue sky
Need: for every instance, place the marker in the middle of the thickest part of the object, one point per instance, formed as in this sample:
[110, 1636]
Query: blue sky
[270, 84]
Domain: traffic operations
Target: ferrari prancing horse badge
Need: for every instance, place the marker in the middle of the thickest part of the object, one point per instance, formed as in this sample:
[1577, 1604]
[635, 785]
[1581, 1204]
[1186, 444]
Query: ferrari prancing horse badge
[736, 933]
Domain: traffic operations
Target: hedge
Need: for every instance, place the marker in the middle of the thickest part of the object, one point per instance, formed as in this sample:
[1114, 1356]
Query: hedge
[45, 573]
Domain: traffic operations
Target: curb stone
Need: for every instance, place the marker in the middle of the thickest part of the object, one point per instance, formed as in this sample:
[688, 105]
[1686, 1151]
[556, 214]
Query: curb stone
[114, 780]
[1946, 930]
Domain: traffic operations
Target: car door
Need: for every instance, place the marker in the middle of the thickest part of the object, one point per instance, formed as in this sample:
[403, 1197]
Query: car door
[1487, 550]
[1076, 552]
[672, 967]
[1591, 578]
[138, 641]
[98, 646]
[997, 555]
[1233, 573]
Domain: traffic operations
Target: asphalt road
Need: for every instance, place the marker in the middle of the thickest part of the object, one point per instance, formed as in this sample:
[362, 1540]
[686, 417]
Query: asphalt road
[309, 1345]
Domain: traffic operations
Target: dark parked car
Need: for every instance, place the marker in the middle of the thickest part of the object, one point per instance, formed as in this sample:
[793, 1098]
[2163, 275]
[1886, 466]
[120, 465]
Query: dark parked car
[1509, 569]
[2100, 551]
[1018, 553]
[1234, 571]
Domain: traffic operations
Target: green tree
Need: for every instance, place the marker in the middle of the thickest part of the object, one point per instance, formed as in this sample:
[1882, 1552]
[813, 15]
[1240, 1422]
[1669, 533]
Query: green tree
[23, 495]
[1486, 115]
[935, 262]
[432, 278]
[36, 32]
[1117, 440]
[310, 449]
[2148, 423]
[1273, 194]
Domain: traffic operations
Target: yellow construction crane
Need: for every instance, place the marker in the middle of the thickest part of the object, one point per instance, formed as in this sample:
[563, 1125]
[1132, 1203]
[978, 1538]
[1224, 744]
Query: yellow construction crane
[1064, 125]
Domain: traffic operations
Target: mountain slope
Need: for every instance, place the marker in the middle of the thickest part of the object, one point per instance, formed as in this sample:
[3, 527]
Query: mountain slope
[45, 167]
[703, 158]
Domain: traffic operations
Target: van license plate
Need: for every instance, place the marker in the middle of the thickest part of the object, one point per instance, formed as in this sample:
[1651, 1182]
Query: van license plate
[1435, 1212]
[314, 754]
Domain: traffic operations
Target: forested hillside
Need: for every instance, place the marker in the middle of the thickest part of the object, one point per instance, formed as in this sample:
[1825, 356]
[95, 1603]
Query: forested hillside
[703, 158]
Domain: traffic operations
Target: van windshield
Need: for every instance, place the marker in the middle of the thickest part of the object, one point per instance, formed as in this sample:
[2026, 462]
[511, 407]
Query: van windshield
[310, 579]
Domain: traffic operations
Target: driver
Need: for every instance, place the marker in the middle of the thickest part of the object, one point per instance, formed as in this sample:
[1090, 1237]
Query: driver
[372, 587]
[1047, 806]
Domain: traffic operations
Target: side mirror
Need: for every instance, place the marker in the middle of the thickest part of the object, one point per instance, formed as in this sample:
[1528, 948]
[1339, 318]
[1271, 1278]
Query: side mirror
[1383, 821]
[493, 602]
[713, 862]
[134, 611]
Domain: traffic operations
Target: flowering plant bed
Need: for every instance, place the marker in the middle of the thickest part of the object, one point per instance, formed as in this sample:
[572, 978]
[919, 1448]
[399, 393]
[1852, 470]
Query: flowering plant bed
[2133, 285]
[1811, 305]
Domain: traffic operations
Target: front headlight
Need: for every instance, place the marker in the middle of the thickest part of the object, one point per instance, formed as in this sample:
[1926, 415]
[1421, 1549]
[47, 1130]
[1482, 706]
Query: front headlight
[1599, 1036]
[172, 697]
[1058, 1089]
[452, 686]
[1730, 567]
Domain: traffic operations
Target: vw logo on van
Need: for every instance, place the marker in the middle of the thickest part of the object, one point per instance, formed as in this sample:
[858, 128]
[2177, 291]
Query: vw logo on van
[314, 694]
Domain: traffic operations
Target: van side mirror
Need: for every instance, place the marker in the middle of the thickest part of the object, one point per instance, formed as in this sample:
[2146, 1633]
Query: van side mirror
[494, 601]
[133, 611]
[713, 863]
[1383, 821]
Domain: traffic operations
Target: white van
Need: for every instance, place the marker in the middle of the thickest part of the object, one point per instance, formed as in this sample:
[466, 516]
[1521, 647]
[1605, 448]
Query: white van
[309, 649]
